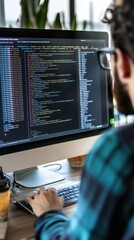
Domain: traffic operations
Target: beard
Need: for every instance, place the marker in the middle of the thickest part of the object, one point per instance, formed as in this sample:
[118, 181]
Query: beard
[121, 96]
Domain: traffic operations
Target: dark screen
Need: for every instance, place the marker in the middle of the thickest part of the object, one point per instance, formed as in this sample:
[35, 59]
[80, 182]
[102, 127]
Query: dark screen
[51, 87]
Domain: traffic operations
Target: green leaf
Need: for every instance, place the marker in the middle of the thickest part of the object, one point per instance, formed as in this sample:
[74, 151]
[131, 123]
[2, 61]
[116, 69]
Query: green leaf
[25, 19]
[32, 5]
[41, 15]
[57, 22]
[84, 24]
[74, 23]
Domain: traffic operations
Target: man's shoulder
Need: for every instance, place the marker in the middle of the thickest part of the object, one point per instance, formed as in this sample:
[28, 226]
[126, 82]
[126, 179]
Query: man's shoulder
[111, 146]
[125, 131]
[116, 137]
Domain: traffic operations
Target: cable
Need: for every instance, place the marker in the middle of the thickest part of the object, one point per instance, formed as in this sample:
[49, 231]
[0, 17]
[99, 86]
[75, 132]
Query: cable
[54, 164]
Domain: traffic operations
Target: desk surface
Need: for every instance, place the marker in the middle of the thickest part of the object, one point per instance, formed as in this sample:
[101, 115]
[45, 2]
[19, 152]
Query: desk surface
[20, 222]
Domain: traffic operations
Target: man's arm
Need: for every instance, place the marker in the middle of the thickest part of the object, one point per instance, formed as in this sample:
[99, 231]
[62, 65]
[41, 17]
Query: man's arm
[100, 211]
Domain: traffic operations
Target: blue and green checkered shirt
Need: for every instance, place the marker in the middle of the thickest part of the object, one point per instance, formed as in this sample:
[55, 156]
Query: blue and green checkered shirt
[105, 209]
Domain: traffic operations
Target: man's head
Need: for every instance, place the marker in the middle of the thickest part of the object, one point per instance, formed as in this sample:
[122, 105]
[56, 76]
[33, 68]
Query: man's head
[122, 32]
[122, 28]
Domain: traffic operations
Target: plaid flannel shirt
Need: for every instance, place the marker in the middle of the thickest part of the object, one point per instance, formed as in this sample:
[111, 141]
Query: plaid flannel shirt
[105, 209]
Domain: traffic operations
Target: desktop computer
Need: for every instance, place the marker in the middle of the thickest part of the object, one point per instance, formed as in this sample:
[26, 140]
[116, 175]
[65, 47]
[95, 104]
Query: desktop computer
[54, 98]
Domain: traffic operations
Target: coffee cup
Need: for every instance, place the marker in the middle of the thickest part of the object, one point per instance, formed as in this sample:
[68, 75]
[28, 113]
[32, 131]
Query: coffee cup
[4, 199]
[77, 162]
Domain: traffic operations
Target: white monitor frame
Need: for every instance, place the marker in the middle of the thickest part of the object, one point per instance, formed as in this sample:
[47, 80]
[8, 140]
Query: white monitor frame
[30, 158]
[18, 158]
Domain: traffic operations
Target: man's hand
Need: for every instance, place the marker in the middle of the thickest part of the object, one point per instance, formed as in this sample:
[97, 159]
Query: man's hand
[45, 200]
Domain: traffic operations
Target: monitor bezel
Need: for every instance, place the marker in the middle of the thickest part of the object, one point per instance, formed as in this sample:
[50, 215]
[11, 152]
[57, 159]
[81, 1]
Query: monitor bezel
[52, 33]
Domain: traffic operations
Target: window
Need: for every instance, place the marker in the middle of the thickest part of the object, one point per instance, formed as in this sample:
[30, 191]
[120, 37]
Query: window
[91, 10]
[11, 16]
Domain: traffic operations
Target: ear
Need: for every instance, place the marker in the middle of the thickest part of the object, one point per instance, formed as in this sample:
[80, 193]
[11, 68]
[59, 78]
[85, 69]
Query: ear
[123, 64]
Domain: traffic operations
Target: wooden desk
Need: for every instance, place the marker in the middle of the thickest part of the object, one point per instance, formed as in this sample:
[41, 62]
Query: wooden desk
[20, 222]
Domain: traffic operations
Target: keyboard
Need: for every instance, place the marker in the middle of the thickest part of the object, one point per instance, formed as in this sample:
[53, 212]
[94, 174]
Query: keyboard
[69, 193]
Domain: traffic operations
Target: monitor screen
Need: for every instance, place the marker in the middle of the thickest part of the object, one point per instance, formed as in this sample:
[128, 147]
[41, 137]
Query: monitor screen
[52, 92]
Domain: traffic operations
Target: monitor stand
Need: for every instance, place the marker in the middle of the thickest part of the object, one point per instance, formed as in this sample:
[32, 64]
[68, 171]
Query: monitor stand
[36, 177]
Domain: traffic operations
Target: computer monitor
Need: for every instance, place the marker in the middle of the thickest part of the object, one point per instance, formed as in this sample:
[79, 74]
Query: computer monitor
[54, 97]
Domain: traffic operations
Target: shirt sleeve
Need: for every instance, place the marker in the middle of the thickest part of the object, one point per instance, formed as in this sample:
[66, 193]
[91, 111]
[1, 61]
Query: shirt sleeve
[51, 225]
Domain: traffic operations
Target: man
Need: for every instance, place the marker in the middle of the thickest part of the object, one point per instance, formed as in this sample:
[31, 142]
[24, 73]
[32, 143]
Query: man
[105, 209]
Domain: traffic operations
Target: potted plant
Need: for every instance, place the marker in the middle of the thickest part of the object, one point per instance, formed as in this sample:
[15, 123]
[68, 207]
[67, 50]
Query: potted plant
[34, 14]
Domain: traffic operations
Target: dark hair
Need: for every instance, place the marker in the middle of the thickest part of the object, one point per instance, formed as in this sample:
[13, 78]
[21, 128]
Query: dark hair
[122, 27]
